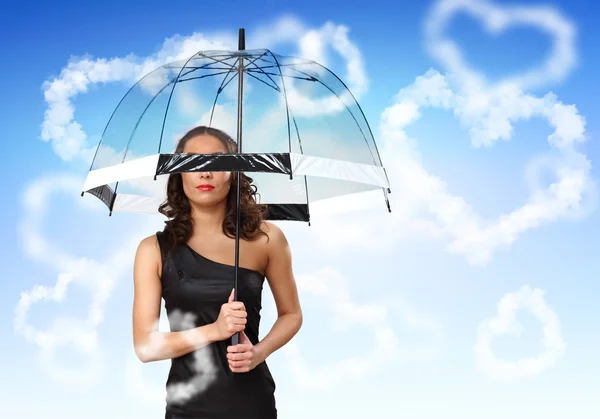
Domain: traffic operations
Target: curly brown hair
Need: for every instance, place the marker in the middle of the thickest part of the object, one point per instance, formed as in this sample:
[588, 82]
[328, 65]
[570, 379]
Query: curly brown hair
[177, 206]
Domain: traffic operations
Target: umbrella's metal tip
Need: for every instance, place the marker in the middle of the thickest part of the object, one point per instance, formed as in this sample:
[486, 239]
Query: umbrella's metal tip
[82, 192]
[242, 39]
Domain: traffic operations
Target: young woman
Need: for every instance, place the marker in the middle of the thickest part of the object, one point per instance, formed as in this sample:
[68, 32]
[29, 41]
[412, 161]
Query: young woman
[190, 264]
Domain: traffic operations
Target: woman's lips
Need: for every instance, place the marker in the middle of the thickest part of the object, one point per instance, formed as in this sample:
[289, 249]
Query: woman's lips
[205, 187]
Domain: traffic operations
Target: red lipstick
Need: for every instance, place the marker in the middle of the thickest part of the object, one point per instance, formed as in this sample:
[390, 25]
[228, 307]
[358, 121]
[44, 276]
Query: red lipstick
[205, 187]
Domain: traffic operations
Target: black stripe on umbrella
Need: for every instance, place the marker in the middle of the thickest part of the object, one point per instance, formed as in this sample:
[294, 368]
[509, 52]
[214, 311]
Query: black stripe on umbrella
[247, 162]
[275, 212]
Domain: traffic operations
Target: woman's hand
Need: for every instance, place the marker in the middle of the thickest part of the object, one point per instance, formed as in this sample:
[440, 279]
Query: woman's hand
[244, 356]
[232, 319]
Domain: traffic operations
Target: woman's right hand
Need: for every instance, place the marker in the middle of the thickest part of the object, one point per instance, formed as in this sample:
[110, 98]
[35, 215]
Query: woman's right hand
[232, 318]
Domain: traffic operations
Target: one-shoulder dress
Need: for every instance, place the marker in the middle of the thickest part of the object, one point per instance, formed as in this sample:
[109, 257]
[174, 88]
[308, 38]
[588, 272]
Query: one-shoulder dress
[200, 384]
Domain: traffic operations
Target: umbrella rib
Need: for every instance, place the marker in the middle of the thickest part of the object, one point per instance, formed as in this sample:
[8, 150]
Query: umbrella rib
[291, 77]
[262, 81]
[257, 58]
[162, 130]
[287, 108]
[203, 67]
[361, 111]
[206, 67]
[216, 60]
[223, 61]
[136, 126]
[221, 87]
[205, 75]
[301, 152]
[252, 63]
[261, 71]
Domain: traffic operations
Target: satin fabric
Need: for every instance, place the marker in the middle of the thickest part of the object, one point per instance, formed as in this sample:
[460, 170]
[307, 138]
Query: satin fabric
[200, 384]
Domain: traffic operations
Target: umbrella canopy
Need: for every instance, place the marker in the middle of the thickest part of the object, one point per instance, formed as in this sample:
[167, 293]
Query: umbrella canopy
[298, 130]
[298, 127]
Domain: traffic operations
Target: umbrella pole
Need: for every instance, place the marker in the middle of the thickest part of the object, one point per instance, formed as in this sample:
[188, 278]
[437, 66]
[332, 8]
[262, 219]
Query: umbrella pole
[235, 339]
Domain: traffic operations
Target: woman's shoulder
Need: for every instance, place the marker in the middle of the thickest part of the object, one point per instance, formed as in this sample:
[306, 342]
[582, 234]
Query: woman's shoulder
[148, 252]
[150, 244]
[274, 232]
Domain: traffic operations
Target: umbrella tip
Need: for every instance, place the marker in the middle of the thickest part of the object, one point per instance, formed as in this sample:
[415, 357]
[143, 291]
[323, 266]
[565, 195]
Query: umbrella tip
[242, 39]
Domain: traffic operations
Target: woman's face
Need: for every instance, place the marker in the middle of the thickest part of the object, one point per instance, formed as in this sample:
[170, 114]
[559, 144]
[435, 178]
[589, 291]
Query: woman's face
[205, 188]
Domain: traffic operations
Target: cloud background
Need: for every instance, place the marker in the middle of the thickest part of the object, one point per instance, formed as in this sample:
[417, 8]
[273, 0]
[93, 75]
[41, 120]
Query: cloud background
[436, 281]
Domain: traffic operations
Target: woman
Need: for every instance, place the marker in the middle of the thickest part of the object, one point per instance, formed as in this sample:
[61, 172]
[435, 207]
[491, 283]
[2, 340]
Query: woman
[190, 264]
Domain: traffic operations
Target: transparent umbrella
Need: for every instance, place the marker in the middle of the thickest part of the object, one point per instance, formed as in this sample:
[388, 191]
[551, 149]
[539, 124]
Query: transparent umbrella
[298, 128]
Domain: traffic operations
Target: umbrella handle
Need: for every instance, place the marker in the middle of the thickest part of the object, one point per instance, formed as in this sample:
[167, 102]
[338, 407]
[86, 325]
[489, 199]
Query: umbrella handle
[235, 339]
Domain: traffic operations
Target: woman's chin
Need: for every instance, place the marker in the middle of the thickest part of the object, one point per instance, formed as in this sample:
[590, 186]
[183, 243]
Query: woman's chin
[206, 201]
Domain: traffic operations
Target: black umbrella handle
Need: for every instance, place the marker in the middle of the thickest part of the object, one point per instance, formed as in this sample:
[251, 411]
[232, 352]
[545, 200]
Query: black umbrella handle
[235, 339]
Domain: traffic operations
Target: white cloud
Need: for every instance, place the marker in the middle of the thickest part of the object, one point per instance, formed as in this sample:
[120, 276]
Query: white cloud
[423, 202]
[286, 29]
[60, 127]
[98, 277]
[205, 368]
[506, 323]
[312, 46]
[454, 217]
[332, 290]
[68, 137]
[136, 379]
[495, 20]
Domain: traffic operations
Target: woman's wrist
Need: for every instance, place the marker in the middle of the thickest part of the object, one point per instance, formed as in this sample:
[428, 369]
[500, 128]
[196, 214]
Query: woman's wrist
[207, 334]
[261, 352]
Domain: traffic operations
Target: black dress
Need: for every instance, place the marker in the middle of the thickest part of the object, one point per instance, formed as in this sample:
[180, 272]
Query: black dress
[193, 284]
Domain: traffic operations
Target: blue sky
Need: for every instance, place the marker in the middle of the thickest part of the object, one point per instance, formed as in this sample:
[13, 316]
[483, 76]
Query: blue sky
[431, 273]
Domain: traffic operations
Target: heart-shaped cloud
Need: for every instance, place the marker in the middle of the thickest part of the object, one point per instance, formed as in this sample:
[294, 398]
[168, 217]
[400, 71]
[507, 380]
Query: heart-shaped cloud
[332, 290]
[98, 277]
[68, 138]
[421, 201]
[496, 19]
[490, 121]
[506, 323]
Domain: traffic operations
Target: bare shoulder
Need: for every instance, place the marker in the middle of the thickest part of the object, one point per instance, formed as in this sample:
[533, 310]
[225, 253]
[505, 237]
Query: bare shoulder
[277, 247]
[149, 245]
[276, 236]
[148, 252]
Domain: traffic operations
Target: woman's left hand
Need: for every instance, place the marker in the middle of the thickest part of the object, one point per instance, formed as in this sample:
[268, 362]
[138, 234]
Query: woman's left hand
[244, 356]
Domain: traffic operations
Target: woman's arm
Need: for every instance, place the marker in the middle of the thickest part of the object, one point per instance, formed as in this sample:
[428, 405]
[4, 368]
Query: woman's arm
[150, 344]
[281, 280]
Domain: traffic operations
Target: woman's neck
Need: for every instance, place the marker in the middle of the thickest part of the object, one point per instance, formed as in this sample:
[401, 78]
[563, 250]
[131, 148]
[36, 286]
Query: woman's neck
[208, 220]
